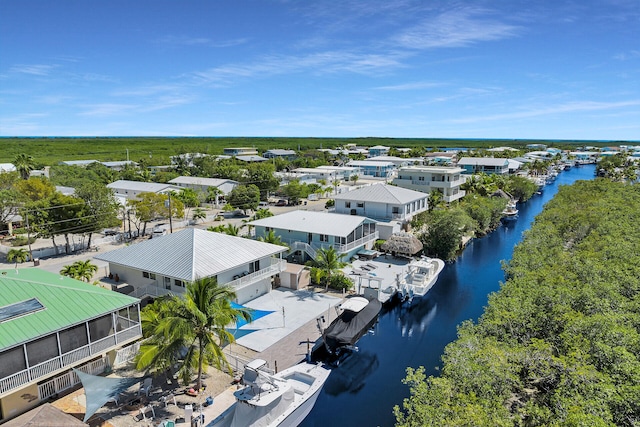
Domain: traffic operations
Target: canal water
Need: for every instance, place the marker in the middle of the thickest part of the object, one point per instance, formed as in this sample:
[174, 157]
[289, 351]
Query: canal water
[364, 388]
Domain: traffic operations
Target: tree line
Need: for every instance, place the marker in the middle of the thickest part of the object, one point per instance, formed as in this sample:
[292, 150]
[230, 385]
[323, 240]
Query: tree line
[559, 344]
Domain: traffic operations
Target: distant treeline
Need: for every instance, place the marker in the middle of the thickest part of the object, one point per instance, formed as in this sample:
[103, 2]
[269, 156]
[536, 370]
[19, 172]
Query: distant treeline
[157, 150]
[559, 344]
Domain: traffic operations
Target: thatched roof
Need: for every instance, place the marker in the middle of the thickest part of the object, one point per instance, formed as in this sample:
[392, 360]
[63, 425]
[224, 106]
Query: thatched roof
[402, 243]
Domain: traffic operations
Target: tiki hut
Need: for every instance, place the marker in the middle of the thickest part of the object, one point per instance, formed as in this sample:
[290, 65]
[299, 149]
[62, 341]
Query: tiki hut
[402, 244]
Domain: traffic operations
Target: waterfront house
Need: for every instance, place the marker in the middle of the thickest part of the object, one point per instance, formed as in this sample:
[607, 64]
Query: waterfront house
[165, 264]
[307, 231]
[202, 185]
[488, 165]
[382, 202]
[373, 168]
[130, 190]
[50, 324]
[397, 161]
[446, 180]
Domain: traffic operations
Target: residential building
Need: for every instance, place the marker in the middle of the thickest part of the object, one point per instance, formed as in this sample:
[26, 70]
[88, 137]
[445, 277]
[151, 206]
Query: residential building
[280, 154]
[378, 150]
[251, 158]
[240, 151]
[342, 172]
[7, 167]
[202, 185]
[307, 231]
[131, 189]
[119, 165]
[329, 175]
[373, 168]
[381, 202]
[81, 163]
[50, 324]
[488, 165]
[446, 180]
[167, 263]
[397, 161]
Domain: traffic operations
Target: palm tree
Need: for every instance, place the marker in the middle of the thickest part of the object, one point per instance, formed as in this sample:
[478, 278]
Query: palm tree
[17, 255]
[272, 238]
[329, 261]
[24, 165]
[193, 325]
[80, 270]
[262, 213]
[199, 213]
[354, 178]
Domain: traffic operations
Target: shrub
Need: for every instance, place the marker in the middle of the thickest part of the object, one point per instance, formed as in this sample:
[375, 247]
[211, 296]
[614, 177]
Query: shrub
[22, 240]
[330, 203]
[340, 282]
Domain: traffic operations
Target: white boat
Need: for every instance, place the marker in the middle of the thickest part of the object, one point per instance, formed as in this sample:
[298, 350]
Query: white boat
[421, 275]
[510, 212]
[269, 400]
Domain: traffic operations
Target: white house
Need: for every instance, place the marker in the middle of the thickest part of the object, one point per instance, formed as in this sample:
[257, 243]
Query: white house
[279, 153]
[131, 189]
[7, 167]
[202, 185]
[165, 264]
[446, 180]
[240, 151]
[81, 163]
[119, 165]
[381, 202]
[488, 165]
[308, 231]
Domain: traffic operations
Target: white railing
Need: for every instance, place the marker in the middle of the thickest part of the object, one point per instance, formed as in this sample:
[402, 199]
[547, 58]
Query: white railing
[277, 265]
[68, 359]
[152, 290]
[314, 247]
[70, 379]
[126, 354]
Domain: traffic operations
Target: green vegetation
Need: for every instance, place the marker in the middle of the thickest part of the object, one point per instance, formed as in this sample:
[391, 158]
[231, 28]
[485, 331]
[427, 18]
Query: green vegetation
[80, 270]
[158, 150]
[327, 264]
[17, 256]
[194, 322]
[559, 344]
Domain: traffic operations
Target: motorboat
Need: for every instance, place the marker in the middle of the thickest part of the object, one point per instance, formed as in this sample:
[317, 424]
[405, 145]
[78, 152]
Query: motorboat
[283, 399]
[510, 212]
[421, 275]
[355, 317]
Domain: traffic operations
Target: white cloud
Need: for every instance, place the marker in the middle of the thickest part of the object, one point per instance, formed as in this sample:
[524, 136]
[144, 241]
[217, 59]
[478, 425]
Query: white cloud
[411, 86]
[455, 28]
[201, 41]
[35, 70]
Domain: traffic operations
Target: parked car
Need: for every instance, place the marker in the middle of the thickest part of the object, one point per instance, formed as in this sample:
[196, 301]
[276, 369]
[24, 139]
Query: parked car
[281, 202]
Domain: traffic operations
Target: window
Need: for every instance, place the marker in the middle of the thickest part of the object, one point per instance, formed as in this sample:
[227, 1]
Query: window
[29, 306]
[360, 204]
[324, 238]
[152, 276]
[421, 178]
[395, 210]
[179, 283]
[145, 274]
[347, 204]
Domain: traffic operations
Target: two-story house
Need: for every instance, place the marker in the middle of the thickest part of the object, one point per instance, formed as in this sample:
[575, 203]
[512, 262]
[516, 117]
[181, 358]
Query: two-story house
[488, 165]
[373, 168]
[276, 153]
[307, 231]
[50, 324]
[166, 264]
[378, 150]
[382, 202]
[446, 180]
[240, 151]
[202, 185]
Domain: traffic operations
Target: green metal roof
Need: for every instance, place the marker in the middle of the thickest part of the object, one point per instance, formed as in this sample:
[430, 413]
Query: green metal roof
[66, 302]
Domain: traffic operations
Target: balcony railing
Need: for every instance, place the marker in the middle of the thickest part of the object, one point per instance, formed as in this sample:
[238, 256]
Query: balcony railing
[312, 248]
[277, 265]
[69, 359]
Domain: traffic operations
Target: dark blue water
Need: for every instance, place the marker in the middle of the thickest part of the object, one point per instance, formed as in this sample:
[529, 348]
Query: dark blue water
[363, 390]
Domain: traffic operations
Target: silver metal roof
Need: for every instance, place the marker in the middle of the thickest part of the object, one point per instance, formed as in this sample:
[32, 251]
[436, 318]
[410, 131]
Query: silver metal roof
[191, 253]
[150, 187]
[486, 161]
[314, 222]
[197, 180]
[382, 193]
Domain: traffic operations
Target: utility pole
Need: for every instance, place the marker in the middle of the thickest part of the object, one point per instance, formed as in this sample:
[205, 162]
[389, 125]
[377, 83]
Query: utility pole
[170, 215]
[29, 238]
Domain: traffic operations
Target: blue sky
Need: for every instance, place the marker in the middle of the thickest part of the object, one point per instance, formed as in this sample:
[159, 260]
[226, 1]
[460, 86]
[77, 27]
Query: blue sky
[549, 69]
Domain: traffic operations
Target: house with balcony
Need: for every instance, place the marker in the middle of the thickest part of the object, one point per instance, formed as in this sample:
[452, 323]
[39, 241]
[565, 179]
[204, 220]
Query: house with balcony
[378, 150]
[50, 324]
[446, 180]
[382, 202]
[307, 231]
[373, 168]
[488, 165]
[165, 264]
